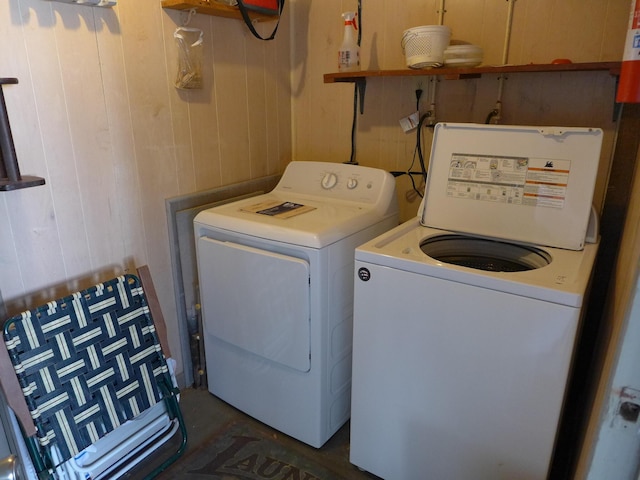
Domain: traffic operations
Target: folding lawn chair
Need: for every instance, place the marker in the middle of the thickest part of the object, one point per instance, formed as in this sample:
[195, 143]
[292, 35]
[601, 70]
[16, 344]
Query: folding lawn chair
[89, 385]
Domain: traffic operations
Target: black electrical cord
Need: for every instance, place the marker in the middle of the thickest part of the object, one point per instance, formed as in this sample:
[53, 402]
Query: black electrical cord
[418, 96]
[413, 184]
[417, 152]
[410, 175]
[399, 173]
[352, 158]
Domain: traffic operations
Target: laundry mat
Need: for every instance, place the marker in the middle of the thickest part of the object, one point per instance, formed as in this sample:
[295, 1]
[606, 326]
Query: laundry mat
[244, 451]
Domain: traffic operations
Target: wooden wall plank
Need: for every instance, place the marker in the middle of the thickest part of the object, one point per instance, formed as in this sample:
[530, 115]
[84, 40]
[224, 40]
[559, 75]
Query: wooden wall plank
[316, 138]
[149, 96]
[12, 283]
[257, 113]
[126, 195]
[267, 161]
[96, 100]
[97, 115]
[31, 214]
[230, 87]
[322, 124]
[280, 154]
[182, 102]
[616, 21]
[89, 131]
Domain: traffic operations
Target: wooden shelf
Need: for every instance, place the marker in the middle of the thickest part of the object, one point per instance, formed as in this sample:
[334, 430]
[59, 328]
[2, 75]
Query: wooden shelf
[211, 7]
[475, 72]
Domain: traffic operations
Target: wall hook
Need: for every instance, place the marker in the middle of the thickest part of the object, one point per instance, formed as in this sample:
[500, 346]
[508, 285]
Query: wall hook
[187, 19]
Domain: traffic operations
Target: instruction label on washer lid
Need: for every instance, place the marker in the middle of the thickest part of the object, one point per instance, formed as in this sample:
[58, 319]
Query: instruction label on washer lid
[538, 182]
[278, 209]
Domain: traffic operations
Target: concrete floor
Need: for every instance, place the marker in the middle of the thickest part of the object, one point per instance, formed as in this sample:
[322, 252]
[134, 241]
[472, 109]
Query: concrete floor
[205, 415]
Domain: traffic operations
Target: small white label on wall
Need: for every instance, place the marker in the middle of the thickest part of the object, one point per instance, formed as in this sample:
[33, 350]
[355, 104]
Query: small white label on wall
[411, 122]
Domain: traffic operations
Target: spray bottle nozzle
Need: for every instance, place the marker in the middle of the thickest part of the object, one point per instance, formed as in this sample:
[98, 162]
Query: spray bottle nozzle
[350, 19]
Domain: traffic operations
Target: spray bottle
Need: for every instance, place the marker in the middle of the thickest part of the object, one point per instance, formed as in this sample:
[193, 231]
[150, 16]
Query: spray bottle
[349, 53]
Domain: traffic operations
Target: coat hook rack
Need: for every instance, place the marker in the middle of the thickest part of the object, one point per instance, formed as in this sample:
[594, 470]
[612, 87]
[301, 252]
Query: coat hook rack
[10, 178]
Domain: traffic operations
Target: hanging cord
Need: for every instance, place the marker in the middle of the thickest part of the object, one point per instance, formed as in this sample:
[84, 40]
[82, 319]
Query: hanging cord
[415, 191]
[352, 158]
[417, 152]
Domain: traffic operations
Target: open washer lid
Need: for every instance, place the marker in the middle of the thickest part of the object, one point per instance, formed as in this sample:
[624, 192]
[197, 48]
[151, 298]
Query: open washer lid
[519, 183]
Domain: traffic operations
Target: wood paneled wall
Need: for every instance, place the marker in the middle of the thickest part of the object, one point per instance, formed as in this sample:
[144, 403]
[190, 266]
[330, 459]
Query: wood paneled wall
[96, 114]
[613, 366]
[542, 31]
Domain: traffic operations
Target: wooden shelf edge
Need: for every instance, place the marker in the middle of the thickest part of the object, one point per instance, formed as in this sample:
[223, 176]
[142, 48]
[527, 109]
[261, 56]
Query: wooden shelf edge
[461, 73]
[211, 7]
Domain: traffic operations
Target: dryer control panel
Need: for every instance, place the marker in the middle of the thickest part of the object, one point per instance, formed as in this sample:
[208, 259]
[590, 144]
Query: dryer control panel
[338, 181]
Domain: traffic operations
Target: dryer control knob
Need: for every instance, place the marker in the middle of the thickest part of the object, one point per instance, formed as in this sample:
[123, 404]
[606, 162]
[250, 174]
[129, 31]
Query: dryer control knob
[329, 181]
[352, 183]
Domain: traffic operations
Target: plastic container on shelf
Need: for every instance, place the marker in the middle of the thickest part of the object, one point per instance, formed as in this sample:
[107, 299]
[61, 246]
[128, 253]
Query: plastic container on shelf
[424, 46]
[463, 56]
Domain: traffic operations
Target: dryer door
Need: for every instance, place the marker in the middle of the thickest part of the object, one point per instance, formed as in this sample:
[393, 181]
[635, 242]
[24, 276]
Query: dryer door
[256, 300]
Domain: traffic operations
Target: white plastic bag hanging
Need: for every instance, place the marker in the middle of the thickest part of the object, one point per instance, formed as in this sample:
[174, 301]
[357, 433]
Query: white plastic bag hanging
[190, 44]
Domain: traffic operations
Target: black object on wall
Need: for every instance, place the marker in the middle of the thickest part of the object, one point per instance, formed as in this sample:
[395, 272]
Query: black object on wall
[10, 178]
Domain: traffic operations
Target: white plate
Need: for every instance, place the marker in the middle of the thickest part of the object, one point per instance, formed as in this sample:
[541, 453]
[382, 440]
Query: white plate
[463, 62]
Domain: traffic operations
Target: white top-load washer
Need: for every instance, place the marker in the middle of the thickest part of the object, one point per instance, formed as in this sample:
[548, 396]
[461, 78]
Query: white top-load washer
[276, 289]
[465, 319]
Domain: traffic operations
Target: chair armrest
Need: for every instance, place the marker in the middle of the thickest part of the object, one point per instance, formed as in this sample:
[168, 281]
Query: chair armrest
[154, 307]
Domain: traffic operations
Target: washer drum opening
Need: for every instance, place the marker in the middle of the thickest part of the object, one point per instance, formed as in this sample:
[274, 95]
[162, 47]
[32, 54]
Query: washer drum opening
[484, 254]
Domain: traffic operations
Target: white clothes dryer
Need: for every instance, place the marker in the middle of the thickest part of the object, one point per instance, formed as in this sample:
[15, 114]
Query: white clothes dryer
[465, 319]
[276, 288]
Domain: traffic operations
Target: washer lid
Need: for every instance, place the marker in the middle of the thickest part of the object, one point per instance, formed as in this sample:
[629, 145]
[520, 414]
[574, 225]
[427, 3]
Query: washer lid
[520, 183]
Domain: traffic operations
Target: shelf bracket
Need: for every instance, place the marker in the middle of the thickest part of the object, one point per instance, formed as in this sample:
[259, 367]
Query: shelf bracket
[10, 178]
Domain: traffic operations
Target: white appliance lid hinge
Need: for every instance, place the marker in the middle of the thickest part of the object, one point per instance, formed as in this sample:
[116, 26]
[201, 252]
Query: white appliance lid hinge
[552, 131]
